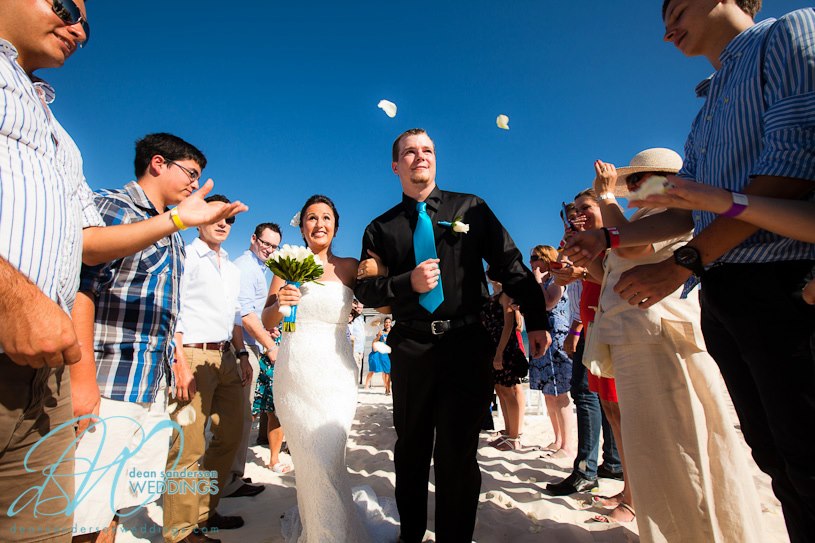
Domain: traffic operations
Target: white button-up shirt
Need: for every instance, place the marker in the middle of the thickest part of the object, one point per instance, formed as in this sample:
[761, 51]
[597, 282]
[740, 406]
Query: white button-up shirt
[209, 295]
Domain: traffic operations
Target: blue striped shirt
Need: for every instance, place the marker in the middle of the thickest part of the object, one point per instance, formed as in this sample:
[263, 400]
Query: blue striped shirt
[758, 119]
[44, 200]
[137, 304]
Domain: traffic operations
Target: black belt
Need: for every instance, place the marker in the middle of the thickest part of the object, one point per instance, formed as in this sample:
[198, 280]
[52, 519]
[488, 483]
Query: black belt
[218, 346]
[438, 328]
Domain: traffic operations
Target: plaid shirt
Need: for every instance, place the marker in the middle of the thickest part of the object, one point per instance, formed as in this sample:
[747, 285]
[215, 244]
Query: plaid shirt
[758, 119]
[137, 303]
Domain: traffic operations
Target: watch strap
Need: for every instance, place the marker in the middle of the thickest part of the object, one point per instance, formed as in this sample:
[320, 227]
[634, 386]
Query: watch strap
[740, 203]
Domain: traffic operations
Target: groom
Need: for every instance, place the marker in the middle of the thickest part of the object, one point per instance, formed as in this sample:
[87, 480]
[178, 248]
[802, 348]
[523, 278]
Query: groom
[441, 354]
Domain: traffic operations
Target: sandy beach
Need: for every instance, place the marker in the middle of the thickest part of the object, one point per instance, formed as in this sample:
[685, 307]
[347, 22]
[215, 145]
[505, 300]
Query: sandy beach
[513, 504]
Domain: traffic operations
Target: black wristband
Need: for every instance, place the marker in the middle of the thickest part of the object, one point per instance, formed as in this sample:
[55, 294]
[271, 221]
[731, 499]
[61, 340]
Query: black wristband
[608, 237]
[242, 353]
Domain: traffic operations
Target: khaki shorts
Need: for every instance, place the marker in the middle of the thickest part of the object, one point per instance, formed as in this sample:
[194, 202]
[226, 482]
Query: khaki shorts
[33, 404]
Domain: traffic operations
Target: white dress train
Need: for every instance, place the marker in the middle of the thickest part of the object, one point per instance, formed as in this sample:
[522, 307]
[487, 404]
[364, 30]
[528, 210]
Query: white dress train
[315, 395]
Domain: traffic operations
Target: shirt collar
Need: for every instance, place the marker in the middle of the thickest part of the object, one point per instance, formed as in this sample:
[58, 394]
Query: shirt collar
[9, 50]
[433, 201]
[203, 249]
[260, 262]
[740, 43]
[139, 197]
[704, 87]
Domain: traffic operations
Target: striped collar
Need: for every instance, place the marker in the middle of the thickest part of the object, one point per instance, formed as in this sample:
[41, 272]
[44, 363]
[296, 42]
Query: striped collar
[740, 43]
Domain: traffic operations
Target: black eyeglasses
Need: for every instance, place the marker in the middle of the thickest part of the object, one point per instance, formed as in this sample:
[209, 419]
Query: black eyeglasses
[635, 178]
[534, 258]
[69, 12]
[230, 220]
[192, 174]
[267, 245]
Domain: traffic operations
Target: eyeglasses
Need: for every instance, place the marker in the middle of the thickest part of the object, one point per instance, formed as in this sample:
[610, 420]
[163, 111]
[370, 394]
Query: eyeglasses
[192, 174]
[230, 220]
[267, 245]
[635, 178]
[69, 12]
[534, 258]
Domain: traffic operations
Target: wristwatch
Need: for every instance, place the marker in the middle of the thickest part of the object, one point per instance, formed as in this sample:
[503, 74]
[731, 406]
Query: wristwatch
[689, 257]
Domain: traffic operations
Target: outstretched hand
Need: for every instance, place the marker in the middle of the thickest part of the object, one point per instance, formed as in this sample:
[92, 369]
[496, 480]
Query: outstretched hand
[648, 284]
[583, 247]
[685, 194]
[195, 211]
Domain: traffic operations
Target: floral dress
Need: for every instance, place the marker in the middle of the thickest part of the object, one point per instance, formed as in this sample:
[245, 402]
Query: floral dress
[515, 364]
[552, 373]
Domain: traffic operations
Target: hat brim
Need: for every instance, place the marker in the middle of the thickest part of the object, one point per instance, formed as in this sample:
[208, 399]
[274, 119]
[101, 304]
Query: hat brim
[621, 189]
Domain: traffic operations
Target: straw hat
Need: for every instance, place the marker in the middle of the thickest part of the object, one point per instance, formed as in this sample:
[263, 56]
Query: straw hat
[657, 159]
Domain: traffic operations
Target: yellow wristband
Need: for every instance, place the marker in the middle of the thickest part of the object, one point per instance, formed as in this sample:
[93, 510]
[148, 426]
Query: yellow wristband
[177, 220]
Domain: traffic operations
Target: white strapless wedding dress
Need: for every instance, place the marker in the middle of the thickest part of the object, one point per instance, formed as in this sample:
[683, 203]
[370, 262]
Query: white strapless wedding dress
[315, 396]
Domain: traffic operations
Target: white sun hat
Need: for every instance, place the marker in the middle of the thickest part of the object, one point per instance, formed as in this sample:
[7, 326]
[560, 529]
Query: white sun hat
[657, 159]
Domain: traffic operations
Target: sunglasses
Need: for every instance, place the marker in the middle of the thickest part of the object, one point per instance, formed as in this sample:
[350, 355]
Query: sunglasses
[230, 220]
[534, 258]
[69, 12]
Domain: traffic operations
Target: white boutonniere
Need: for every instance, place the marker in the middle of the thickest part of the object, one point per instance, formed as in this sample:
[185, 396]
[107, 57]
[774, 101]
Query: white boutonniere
[456, 226]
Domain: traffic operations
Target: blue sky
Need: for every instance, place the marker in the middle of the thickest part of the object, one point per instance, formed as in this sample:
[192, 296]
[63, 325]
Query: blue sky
[281, 97]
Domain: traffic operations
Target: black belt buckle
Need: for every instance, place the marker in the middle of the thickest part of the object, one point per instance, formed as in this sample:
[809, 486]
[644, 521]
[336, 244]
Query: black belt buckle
[438, 328]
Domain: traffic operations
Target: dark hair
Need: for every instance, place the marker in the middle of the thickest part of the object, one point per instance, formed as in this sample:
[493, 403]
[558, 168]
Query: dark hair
[750, 7]
[169, 146]
[274, 227]
[217, 198]
[588, 192]
[320, 199]
[406, 133]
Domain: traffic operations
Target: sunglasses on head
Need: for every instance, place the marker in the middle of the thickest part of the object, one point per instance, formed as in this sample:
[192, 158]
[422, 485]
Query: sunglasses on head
[70, 14]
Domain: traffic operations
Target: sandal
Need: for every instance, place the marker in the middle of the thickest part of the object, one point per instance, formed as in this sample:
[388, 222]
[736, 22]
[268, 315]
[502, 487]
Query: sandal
[508, 444]
[607, 501]
[607, 519]
[280, 467]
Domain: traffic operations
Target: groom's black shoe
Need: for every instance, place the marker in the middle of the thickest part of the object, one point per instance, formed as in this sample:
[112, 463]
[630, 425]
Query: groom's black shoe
[606, 473]
[247, 490]
[572, 484]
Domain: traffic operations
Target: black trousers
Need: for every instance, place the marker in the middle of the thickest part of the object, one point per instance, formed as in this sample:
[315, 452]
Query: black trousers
[758, 329]
[441, 390]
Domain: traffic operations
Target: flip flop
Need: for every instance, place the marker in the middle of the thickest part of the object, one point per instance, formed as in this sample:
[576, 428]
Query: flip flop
[607, 501]
[508, 444]
[606, 519]
[280, 467]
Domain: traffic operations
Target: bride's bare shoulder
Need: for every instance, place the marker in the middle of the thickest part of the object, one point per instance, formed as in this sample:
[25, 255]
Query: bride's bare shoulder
[346, 269]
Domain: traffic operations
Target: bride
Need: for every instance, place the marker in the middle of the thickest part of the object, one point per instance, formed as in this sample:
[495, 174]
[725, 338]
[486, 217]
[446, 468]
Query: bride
[315, 394]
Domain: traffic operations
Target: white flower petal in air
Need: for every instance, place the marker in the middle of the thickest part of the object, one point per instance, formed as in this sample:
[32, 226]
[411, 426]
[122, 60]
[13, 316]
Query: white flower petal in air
[388, 107]
[285, 310]
[186, 416]
[656, 184]
[461, 227]
[502, 121]
[380, 347]
[295, 221]
[171, 408]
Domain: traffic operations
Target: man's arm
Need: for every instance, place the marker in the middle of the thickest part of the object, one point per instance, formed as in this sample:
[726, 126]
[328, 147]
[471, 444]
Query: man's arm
[648, 284]
[101, 245]
[36, 331]
[380, 291]
[243, 356]
[84, 388]
[252, 324]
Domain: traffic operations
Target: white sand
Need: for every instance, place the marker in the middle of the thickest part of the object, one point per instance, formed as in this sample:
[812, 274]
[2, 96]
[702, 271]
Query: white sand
[513, 506]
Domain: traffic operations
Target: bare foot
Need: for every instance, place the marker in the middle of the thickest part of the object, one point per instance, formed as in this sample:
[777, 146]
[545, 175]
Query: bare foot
[608, 501]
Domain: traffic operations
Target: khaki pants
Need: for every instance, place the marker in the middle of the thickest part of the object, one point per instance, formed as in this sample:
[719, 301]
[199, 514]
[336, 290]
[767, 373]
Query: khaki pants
[685, 463]
[236, 478]
[34, 402]
[189, 500]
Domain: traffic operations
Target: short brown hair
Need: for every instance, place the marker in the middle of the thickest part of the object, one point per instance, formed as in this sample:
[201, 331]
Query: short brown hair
[750, 7]
[406, 133]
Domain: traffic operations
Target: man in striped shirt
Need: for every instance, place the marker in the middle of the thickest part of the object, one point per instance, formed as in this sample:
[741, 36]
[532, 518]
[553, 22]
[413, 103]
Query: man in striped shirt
[48, 225]
[754, 134]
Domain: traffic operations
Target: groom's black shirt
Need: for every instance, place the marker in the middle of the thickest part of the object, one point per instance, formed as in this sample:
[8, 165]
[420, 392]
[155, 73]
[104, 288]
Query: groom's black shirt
[461, 261]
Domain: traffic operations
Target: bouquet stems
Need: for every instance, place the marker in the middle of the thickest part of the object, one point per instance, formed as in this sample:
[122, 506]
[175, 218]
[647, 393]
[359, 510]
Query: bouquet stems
[289, 324]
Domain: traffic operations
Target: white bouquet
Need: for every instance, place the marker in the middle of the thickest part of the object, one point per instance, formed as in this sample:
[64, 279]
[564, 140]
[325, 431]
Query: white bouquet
[296, 265]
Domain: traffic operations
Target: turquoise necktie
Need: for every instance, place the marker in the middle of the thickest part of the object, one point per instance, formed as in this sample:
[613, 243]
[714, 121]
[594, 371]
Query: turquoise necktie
[424, 247]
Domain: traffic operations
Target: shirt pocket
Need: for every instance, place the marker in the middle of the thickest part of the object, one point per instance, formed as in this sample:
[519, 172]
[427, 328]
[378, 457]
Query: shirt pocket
[156, 258]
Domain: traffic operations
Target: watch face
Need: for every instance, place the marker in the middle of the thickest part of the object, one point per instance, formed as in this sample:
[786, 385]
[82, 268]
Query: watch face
[686, 256]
